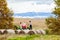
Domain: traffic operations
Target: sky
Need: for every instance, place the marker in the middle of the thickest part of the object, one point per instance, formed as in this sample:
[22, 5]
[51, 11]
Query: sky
[23, 6]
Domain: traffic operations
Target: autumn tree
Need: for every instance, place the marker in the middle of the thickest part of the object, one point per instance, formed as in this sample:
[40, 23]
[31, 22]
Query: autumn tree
[53, 23]
[6, 15]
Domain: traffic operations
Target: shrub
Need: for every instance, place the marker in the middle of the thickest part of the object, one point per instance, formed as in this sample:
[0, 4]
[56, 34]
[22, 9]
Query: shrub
[53, 23]
[6, 19]
[17, 27]
[48, 31]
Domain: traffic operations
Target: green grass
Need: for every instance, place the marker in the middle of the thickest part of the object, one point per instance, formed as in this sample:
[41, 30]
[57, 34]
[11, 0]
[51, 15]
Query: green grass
[25, 37]
[36, 37]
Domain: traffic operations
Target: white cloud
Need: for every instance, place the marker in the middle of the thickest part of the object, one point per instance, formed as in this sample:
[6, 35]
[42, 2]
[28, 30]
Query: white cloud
[42, 1]
[30, 7]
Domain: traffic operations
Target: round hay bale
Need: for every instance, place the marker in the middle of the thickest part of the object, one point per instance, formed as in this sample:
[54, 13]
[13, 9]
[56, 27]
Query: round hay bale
[42, 31]
[16, 32]
[38, 32]
[31, 32]
[26, 31]
[0, 32]
[11, 31]
[5, 32]
[21, 32]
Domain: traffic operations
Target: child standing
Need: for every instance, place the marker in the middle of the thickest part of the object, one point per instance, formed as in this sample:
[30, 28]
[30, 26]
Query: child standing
[30, 25]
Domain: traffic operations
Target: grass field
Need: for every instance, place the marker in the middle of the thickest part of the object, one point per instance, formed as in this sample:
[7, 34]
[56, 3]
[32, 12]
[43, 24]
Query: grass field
[38, 37]
[29, 37]
[37, 23]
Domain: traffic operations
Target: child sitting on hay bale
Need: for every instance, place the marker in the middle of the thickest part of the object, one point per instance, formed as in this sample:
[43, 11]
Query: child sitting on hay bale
[18, 27]
[23, 25]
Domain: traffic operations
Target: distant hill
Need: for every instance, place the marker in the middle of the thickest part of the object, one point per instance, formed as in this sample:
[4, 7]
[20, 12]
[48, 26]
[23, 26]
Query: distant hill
[34, 14]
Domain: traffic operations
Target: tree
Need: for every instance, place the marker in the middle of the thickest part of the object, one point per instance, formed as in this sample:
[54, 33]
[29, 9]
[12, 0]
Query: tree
[53, 23]
[6, 15]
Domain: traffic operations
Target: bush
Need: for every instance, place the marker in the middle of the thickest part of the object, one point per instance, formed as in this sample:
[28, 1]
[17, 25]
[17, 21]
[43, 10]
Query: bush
[48, 31]
[54, 25]
[17, 27]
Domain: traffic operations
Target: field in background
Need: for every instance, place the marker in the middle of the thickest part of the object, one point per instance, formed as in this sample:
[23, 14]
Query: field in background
[37, 23]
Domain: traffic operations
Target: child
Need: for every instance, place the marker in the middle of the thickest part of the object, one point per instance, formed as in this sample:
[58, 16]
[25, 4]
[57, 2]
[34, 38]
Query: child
[24, 26]
[20, 27]
[30, 25]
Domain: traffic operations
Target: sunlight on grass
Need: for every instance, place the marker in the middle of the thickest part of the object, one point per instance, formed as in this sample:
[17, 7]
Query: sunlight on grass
[36, 37]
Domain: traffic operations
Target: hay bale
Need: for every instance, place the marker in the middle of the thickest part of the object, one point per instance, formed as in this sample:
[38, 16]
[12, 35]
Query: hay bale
[17, 31]
[5, 32]
[26, 31]
[0, 32]
[31, 32]
[38, 32]
[42, 32]
[21, 32]
[34, 31]
[11, 31]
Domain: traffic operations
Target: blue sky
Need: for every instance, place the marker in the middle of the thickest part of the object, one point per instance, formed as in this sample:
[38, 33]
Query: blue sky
[23, 6]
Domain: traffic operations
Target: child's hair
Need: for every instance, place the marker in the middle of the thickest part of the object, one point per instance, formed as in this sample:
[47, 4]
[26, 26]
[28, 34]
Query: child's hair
[20, 22]
[29, 21]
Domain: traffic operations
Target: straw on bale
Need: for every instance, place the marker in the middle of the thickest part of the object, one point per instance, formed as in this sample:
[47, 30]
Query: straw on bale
[5, 32]
[26, 31]
[21, 32]
[0, 32]
[11, 31]
[42, 31]
[31, 32]
[16, 32]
